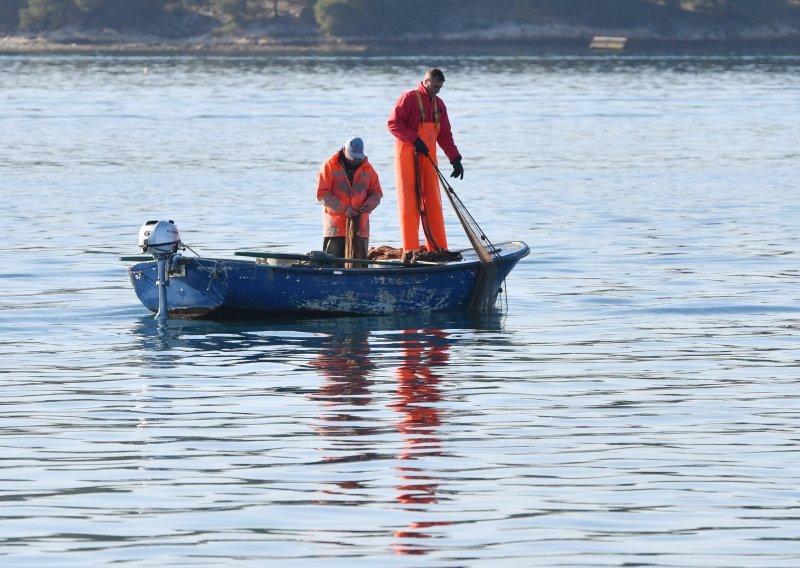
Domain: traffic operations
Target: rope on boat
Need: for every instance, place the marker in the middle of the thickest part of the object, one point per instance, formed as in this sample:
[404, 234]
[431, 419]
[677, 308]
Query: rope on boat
[350, 248]
[421, 205]
[191, 249]
[484, 295]
[484, 248]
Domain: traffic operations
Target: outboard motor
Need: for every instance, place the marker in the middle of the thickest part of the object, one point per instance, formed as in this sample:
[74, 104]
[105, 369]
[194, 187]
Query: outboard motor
[159, 238]
[162, 240]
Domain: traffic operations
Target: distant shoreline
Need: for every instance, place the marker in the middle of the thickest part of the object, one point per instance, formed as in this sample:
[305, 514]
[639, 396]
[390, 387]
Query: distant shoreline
[232, 45]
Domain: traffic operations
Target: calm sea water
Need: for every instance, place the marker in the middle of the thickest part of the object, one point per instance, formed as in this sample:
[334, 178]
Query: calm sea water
[636, 404]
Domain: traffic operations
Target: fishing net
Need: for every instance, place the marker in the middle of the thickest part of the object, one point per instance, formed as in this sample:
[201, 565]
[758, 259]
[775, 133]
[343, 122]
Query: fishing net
[486, 289]
[385, 252]
[424, 255]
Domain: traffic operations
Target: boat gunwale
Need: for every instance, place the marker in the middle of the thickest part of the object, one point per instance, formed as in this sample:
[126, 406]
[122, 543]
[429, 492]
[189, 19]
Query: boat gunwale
[378, 270]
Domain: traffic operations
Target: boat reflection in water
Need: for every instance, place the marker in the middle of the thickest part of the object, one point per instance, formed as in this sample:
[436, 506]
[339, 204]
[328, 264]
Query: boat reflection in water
[376, 438]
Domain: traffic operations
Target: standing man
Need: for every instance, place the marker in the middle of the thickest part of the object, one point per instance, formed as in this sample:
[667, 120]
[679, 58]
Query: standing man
[418, 122]
[348, 188]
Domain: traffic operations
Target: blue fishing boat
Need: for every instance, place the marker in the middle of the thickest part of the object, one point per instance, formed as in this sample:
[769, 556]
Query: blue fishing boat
[280, 284]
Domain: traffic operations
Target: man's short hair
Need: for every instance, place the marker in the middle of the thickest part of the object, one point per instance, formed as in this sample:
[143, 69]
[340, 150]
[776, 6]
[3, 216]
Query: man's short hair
[434, 73]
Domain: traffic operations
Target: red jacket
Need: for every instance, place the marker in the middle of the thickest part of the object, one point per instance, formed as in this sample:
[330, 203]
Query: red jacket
[405, 118]
[335, 192]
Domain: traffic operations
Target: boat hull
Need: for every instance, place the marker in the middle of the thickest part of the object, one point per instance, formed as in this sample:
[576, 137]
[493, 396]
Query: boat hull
[214, 288]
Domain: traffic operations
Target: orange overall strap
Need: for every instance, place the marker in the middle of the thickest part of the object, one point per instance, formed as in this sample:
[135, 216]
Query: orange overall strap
[426, 131]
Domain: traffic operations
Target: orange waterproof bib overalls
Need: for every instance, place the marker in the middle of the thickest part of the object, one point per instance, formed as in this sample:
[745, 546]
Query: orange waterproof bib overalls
[409, 206]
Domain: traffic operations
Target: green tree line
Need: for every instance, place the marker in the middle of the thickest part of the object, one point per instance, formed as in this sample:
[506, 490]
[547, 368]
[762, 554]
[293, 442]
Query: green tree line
[39, 15]
[381, 17]
[375, 17]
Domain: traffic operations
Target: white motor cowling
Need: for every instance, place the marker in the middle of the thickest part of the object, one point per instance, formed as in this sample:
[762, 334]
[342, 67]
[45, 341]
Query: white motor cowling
[159, 237]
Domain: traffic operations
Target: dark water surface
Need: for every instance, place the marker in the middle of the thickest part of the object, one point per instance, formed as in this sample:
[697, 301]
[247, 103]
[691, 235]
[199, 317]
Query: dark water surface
[637, 404]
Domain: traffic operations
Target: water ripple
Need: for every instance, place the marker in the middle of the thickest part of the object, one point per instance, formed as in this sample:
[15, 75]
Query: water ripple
[637, 403]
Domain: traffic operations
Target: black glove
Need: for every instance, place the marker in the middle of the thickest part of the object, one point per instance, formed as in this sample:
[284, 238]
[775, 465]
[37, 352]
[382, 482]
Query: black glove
[458, 169]
[420, 146]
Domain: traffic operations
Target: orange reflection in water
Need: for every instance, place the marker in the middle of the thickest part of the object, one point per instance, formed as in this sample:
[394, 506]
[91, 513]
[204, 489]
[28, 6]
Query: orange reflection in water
[418, 402]
[345, 364]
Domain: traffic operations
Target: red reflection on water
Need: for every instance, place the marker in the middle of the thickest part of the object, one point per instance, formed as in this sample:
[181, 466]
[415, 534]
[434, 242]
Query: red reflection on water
[416, 531]
[418, 398]
[345, 364]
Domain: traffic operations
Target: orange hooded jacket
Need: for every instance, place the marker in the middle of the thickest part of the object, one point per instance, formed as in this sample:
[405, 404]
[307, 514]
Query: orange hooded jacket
[335, 193]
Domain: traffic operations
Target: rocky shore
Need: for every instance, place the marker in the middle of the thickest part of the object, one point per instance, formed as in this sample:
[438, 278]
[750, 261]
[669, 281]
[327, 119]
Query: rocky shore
[303, 39]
